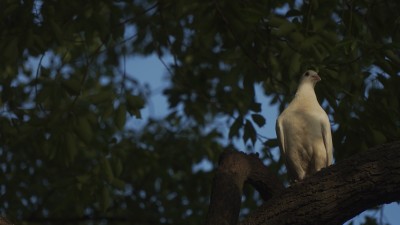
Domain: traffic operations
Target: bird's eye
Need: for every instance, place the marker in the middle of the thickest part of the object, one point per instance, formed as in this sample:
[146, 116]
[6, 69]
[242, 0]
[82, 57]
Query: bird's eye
[306, 74]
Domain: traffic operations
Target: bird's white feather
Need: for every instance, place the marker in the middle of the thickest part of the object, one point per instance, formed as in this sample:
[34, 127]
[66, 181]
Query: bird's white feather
[304, 132]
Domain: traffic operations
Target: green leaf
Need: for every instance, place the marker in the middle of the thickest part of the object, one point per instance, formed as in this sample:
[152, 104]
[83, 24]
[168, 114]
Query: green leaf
[255, 107]
[120, 116]
[309, 42]
[315, 4]
[58, 33]
[72, 86]
[271, 143]
[107, 111]
[83, 178]
[234, 130]
[83, 129]
[117, 167]
[296, 37]
[258, 119]
[252, 15]
[11, 50]
[378, 136]
[134, 103]
[108, 173]
[71, 145]
[295, 64]
[103, 96]
[276, 21]
[10, 9]
[392, 56]
[249, 132]
[105, 199]
[285, 28]
[120, 184]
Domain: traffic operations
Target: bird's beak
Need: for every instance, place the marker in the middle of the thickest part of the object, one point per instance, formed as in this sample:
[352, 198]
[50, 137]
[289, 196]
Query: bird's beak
[316, 77]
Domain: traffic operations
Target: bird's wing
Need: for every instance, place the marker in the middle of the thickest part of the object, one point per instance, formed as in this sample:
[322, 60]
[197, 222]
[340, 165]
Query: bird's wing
[280, 135]
[327, 136]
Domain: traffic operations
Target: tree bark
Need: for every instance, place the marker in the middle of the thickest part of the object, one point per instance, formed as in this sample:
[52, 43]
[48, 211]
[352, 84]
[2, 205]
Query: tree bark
[236, 168]
[334, 194]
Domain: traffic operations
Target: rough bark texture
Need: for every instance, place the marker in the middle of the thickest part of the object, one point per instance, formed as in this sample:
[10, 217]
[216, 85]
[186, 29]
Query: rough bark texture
[234, 170]
[333, 195]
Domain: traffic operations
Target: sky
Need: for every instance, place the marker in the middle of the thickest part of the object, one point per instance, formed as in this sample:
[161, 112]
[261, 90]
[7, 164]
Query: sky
[152, 71]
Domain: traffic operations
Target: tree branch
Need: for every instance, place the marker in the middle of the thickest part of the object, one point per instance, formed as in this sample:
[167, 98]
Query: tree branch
[331, 196]
[338, 193]
[236, 168]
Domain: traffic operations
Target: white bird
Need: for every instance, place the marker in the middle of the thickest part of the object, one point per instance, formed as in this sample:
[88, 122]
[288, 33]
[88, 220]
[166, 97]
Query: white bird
[304, 132]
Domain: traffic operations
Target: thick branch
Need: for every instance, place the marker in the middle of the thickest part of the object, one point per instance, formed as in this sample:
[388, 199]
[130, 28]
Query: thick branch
[234, 170]
[337, 193]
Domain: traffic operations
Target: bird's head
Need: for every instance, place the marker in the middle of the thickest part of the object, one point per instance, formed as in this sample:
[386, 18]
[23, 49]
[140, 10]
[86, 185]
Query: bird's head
[310, 76]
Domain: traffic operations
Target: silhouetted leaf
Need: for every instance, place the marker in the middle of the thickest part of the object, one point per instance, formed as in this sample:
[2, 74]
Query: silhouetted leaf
[258, 119]
[249, 132]
[234, 129]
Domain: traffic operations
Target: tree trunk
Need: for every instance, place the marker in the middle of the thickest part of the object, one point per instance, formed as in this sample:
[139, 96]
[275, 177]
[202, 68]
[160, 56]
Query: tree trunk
[234, 170]
[333, 195]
